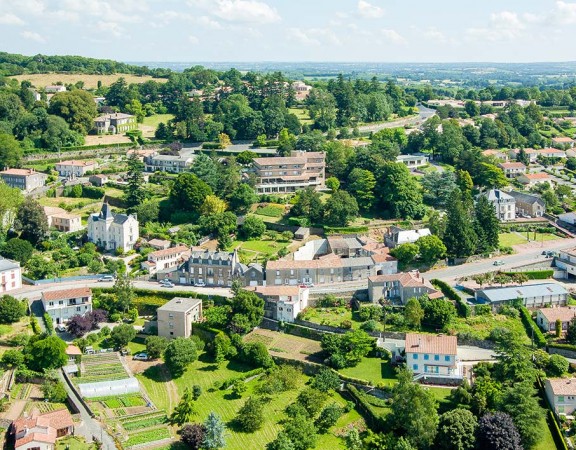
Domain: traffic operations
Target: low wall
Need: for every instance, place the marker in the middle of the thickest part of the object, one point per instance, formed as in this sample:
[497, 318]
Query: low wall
[562, 351]
[60, 280]
[77, 395]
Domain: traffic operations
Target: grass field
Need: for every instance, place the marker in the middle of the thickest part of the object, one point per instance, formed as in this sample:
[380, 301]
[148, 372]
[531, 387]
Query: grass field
[286, 345]
[156, 119]
[479, 327]
[73, 443]
[302, 114]
[516, 238]
[375, 370]
[271, 210]
[260, 249]
[41, 80]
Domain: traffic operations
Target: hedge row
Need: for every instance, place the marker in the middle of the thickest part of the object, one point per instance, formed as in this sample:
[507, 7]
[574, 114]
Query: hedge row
[34, 324]
[531, 327]
[462, 308]
[345, 230]
[374, 420]
[230, 381]
[534, 274]
[570, 347]
[98, 146]
[48, 323]
[301, 331]
[212, 146]
[556, 432]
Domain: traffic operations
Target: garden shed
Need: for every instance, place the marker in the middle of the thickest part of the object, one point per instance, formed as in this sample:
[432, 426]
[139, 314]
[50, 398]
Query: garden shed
[109, 388]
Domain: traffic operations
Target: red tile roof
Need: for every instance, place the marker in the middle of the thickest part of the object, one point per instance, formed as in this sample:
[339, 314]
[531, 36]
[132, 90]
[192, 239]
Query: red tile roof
[429, 343]
[562, 386]
[565, 314]
[67, 293]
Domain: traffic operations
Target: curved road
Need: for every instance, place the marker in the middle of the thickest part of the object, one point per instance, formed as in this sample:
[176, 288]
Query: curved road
[424, 114]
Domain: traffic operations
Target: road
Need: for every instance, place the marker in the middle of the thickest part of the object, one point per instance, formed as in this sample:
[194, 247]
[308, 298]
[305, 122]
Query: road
[525, 257]
[89, 427]
[35, 292]
[423, 115]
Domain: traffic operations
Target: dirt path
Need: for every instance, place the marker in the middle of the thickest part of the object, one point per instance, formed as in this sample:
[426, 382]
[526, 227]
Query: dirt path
[15, 410]
[171, 389]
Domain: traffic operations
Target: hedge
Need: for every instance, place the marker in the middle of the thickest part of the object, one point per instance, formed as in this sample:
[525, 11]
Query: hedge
[48, 323]
[462, 308]
[298, 330]
[374, 420]
[94, 147]
[93, 192]
[570, 347]
[534, 274]
[345, 230]
[212, 146]
[556, 432]
[34, 324]
[531, 327]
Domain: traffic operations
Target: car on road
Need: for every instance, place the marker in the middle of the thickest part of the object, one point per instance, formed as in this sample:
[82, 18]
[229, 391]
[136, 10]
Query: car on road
[60, 327]
[167, 284]
[498, 262]
[141, 356]
[200, 284]
[106, 278]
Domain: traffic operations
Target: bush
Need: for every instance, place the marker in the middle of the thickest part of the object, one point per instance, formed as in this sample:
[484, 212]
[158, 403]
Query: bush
[93, 192]
[531, 327]
[462, 308]
[48, 323]
[369, 326]
[212, 146]
[534, 274]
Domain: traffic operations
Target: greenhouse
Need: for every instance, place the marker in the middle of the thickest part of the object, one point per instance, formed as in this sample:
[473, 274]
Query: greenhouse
[109, 388]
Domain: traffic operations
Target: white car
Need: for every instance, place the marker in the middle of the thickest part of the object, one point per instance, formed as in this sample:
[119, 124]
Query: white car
[200, 284]
[167, 284]
[60, 328]
[106, 278]
[141, 356]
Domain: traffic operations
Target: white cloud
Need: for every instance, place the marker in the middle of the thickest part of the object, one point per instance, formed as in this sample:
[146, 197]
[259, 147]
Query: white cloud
[392, 36]
[193, 40]
[434, 34]
[33, 36]
[313, 36]
[209, 23]
[566, 12]
[10, 19]
[369, 11]
[111, 28]
[504, 26]
[241, 11]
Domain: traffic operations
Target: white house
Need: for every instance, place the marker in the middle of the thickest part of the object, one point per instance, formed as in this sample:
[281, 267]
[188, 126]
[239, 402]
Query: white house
[283, 303]
[165, 259]
[75, 168]
[413, 161]
[64, 304]
[10, 275]
[546, 318]
[504, 204]
[561, 393]
[434, 355]
[113, 231]
[397, 236]
[512, 169]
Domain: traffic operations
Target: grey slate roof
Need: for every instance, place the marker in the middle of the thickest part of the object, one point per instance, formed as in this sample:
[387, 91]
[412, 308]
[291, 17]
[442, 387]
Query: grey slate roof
[526, 198]
[6, 264]
[496, 195]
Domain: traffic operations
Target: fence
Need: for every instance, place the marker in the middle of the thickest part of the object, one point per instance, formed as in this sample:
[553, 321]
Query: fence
[60, 279]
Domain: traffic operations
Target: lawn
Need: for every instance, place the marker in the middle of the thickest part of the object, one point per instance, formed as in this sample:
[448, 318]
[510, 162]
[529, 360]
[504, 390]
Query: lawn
[286, 345]
[156, 119]
[479, 327]
[302, 114]
[516, 238]
[154, 381]
[547, 441]
[375, 370]
[258, 249]
[73, 443]
[270, 210]
[137, 345]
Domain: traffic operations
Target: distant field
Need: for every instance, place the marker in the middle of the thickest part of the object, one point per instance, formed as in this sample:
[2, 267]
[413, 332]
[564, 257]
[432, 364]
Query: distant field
[41, 80]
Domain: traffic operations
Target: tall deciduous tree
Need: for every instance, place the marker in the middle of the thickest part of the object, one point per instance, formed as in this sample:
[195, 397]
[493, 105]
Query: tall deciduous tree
[340, 209]
[179, 353]
[398, 192]
[10, 151]
[76, 107]
[45, 352]
[431, 248]
[124, 292]
[413, 313]
[520, 401]
[413, 411]
[184, 410]
[457, 430]
[189, 192]
[496, 431]
[31, 221]
[250, 416]
[361, 184]
[11, 309]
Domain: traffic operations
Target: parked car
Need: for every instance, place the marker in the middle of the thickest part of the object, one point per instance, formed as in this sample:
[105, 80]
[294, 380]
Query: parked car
[498, 262]
[167, 284]
[106, 278]
[200, 284]
[60, 327]
[141, 356]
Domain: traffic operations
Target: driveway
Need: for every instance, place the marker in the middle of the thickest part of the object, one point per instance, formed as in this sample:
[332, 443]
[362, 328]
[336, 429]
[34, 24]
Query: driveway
[89, 428]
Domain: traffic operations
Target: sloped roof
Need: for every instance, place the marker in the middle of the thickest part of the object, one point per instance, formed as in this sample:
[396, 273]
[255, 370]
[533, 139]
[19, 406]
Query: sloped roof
[429, 343]
[67, 293]
[562, 386]
[564, 314]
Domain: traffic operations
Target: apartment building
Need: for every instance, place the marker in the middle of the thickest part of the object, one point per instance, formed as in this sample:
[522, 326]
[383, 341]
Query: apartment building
[284, 174]
[167, 163]
[64, 304]
[176, 317]
[62, 220]
[24, 179]
[212, 268]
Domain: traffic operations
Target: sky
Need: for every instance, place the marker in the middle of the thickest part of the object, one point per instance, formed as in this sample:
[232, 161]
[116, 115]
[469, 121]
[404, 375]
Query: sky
[293, 30]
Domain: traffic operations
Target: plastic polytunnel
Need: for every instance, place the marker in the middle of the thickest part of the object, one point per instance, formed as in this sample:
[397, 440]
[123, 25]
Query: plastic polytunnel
[109, 388]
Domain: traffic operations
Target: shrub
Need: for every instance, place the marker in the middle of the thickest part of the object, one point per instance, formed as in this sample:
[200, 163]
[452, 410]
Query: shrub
[462, 308]
[531, 328]
[369, 326]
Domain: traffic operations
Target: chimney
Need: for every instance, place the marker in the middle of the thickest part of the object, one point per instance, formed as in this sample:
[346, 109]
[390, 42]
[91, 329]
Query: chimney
[419, 341]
